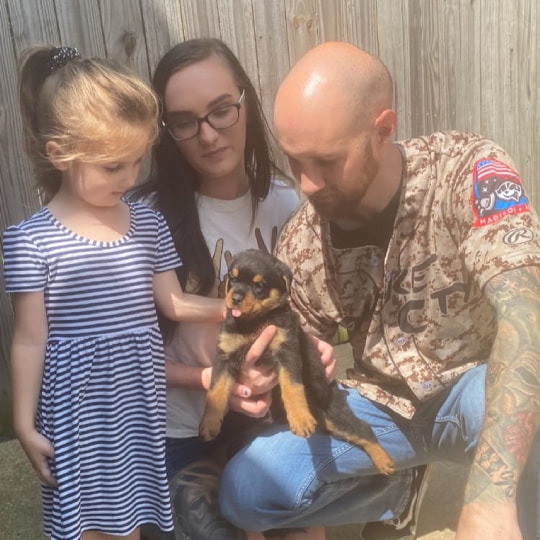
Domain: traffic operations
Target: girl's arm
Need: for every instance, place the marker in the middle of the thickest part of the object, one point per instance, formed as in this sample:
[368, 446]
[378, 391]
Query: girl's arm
[27, 360]
[180, 306]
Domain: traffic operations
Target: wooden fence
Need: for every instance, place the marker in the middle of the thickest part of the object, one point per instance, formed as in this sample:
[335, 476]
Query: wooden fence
[471, 65]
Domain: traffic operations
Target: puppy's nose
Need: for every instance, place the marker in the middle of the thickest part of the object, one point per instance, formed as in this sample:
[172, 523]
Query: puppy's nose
[237, 298]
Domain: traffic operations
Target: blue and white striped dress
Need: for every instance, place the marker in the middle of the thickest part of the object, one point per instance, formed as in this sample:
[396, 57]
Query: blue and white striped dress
[102, 401]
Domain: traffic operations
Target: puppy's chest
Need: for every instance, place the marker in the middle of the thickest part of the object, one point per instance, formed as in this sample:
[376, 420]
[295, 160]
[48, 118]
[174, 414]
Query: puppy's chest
[236, 337]
[232, 343]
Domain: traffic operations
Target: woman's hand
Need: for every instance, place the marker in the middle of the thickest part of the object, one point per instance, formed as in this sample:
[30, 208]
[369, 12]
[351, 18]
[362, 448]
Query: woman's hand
[39, 449]
[252, 395]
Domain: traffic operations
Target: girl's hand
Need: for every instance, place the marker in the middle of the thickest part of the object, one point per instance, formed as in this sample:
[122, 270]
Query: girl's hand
[253, 394]
[38, 448]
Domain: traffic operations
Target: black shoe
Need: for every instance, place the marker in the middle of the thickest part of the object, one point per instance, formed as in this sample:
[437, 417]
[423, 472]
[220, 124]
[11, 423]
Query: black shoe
[194, 497]
[404, 526]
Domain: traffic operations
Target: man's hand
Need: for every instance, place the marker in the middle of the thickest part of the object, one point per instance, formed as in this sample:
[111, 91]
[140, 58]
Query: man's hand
[484, 521]
[327, 357]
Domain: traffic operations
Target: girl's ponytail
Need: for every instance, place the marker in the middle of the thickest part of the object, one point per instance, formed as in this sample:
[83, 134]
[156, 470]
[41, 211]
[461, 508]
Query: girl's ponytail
[34, 70]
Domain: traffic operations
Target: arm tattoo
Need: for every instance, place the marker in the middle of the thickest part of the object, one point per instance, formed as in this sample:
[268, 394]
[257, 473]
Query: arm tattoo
[512, 387]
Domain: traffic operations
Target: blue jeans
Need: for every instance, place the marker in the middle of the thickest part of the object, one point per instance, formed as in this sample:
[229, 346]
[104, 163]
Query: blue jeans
[281, 480]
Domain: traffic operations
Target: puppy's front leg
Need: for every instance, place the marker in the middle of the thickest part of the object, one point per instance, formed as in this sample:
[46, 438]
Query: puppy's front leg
[217, 399]
[286, 352]
[300, 419]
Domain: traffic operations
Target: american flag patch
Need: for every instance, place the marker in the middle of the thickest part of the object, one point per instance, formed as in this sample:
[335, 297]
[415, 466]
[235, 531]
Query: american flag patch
[497, 192]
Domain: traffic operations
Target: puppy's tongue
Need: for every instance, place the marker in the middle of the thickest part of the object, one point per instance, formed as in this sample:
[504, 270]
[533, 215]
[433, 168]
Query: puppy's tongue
[236, 312]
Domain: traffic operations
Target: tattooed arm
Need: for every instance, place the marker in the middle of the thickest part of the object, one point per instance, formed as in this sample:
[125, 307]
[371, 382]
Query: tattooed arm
[512, 409]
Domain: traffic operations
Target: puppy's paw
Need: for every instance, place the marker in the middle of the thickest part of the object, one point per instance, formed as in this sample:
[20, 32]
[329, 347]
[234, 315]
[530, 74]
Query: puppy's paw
[381, 460]
[209, 429]
[302, 425]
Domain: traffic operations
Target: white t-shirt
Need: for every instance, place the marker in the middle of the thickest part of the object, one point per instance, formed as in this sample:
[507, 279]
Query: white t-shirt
[226, 227]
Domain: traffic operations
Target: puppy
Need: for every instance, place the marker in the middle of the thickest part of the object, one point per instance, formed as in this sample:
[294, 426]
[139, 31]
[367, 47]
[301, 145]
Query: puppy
[257, 294]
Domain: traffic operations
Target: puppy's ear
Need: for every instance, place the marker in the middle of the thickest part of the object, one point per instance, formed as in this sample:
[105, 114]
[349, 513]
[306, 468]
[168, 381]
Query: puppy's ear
[286, 274]
[287, 282]
[233, 272]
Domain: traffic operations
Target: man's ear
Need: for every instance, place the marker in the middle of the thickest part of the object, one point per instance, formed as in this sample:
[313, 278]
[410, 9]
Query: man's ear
[385, 125]
[55, 155]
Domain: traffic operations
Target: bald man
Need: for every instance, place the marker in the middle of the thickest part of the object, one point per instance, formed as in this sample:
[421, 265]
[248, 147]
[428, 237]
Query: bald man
[428, 252]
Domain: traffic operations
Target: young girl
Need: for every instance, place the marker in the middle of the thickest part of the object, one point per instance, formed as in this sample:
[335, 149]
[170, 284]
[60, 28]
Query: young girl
[217, 184]
[84, 272]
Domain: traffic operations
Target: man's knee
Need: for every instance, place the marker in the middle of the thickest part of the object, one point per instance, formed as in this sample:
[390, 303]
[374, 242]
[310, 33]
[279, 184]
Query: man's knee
[253, 491]
[235, 503]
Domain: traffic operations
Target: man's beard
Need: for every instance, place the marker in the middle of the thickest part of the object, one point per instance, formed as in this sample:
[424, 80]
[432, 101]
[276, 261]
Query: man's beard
[336, 205]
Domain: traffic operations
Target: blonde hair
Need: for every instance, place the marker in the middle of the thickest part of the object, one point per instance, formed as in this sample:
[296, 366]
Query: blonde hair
[95, 111]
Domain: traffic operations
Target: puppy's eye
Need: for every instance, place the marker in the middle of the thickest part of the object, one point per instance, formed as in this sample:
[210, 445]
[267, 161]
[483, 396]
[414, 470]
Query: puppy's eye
[259, 286]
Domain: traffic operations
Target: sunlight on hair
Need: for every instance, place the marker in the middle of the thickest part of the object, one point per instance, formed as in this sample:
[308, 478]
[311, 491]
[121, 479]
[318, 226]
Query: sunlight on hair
[95, 110]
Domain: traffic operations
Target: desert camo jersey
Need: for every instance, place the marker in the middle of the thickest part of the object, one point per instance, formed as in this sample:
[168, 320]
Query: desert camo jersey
[416, 315]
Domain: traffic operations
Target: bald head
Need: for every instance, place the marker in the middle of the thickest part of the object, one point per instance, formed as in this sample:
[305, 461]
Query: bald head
[334, 122]
[337, 76]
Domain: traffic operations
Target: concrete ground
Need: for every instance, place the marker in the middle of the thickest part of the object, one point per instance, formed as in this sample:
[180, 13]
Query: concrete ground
[20, 504]
[439, 511]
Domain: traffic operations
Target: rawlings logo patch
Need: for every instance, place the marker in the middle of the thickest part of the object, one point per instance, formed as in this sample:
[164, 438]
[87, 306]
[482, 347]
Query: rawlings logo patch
[518, 236]
[497, 192]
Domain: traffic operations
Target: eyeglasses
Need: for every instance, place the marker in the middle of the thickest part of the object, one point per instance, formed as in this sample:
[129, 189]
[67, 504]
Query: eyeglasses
[221, 118]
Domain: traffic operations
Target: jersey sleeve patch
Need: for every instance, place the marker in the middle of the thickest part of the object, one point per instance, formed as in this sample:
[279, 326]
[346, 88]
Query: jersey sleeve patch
[497, 192]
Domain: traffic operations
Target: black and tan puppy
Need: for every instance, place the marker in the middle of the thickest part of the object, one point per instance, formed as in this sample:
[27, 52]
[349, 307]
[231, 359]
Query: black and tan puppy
[257, 294]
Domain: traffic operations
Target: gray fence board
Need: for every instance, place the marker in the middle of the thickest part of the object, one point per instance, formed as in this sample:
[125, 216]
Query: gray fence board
[461, 64]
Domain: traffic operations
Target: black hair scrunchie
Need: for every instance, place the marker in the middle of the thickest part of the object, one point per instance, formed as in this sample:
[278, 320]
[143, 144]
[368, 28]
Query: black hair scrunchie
[60, 56]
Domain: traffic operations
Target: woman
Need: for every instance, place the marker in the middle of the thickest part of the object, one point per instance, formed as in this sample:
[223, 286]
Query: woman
[218, 186]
